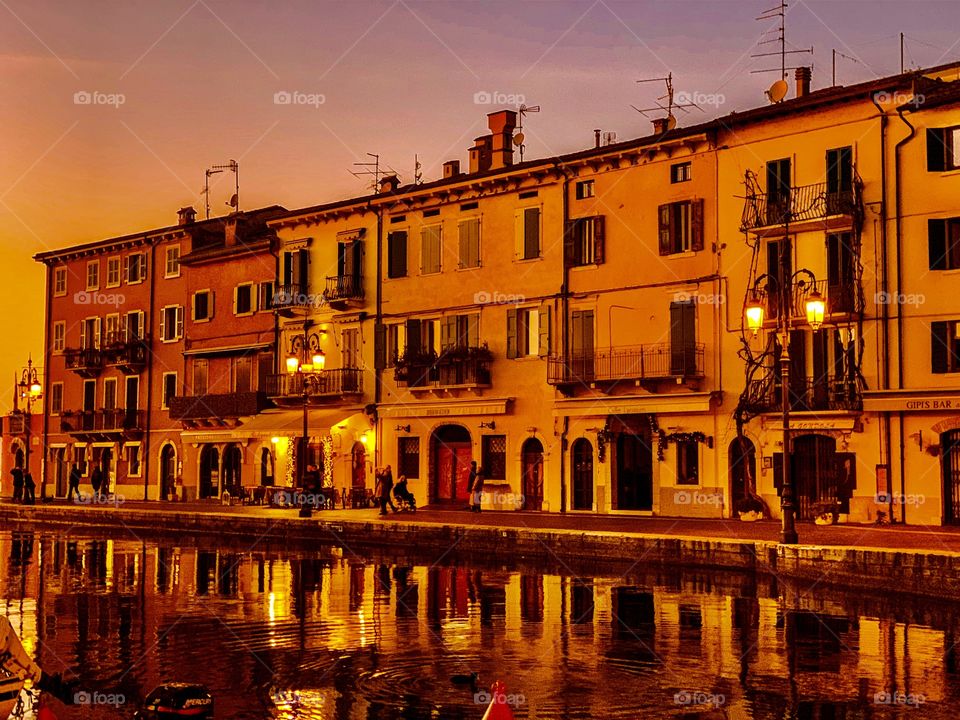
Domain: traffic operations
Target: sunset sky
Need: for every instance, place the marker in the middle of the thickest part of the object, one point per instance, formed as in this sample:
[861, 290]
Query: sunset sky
[181, 85]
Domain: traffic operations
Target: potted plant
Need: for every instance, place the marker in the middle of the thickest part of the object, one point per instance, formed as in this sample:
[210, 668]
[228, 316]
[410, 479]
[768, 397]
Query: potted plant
[749, 509]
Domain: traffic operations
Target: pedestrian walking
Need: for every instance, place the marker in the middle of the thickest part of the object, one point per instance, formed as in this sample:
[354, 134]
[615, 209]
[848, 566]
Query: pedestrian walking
[384, 486]
[470, 481]
[96, 482]
[28, 488]
[476, 494]
[73, 483]
[17, 474]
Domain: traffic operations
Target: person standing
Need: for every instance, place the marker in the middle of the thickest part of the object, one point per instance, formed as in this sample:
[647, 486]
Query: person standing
[73, 483]
[28, 488]
[96, 481]
[384, 486]
[470, 483]
[17, 474]
[476, 496]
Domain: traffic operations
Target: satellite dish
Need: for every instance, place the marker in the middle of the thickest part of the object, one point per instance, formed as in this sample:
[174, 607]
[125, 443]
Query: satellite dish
[671, 122]
[518, 139]
[778, 91]
[233, 200]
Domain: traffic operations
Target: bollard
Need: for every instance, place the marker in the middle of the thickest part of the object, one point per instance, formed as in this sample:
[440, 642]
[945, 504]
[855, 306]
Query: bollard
[498, 709]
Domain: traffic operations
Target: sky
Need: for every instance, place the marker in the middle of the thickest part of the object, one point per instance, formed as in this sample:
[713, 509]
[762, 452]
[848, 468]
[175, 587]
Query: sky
[110, 112]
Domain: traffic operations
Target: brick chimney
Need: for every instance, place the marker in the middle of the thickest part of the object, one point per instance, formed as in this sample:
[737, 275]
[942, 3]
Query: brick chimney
[660, 125]
[502, 124]
[186, 215]
[389, 183]
[451, 169]
[803, 81]
[230, 231]
[480, 154]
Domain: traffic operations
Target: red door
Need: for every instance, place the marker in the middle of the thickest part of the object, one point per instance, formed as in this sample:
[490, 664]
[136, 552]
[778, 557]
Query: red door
[453, 471]
[463, 456]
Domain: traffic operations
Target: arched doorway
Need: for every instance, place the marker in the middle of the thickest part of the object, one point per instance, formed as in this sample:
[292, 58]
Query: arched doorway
[531, 464]
[18, 457]
[358, 459]
[742, 469]
[582, 464]
[819, 474]
[168, 471]
[634, 469]
[452, 454]
[209, 472]
[60, 473]
[266, 467]
[232, 465]
[950, 462]
[106, 467]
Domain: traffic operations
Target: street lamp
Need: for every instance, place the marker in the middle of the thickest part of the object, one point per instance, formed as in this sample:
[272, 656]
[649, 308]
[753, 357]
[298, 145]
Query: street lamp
[814, 309]
[310, 377]
[30, 391]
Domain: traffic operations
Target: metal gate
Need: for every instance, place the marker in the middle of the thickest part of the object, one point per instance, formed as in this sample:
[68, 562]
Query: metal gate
[819, 474]
[950, 461]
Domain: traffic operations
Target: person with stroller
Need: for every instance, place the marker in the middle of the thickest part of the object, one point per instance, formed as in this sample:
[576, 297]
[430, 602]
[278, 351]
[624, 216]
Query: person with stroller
[405, 498]
[384, 486]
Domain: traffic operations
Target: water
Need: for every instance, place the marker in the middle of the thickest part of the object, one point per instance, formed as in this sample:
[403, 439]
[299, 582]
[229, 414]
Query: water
[330, 634]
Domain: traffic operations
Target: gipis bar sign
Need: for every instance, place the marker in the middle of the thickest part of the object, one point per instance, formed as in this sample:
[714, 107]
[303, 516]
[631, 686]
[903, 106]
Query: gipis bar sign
[928, 403]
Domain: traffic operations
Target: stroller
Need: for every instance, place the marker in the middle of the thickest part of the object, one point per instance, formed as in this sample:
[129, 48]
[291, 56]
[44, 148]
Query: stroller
[406, 502]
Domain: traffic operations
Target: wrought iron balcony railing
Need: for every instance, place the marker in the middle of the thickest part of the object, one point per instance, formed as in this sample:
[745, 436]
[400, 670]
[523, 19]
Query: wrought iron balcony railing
[636, 362]
[344, 287]
[129, 354]
[829, 392]
[336, 382]
[458, 366]
[293, 295]
[101, 421]
[221, 405]
[84, 361]
[840, 298]
[799, 204]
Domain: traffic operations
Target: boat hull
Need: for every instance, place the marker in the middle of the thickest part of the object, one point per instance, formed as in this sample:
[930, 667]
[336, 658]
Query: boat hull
[10, 688]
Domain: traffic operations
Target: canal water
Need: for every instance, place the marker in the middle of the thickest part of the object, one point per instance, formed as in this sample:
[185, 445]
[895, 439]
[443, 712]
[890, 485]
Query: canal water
[335, 634]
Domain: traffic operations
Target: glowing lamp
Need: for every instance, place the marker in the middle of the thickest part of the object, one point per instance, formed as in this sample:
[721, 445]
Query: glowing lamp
[754, 314]
[816, 307]
[35, 389]
[293, 363]
[319, 360]
[275, 440]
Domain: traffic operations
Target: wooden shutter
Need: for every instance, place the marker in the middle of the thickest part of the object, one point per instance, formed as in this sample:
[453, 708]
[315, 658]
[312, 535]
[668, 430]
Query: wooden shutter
[397, 242]
[696, 225]
[569, 240]
[379, 346]
[544, 326]
[126, 268]
[163, 324]
[937, 243]
[682, 338]
[179, 315]
[303, 260]
[143, 266]
[598, 239]
[531, 233]
[473, 330]
[448, 332]
[939, 345]
[413, 337]
[97, 332]
[663, 215]
[83, 335]
[936, 150]
[512, 333]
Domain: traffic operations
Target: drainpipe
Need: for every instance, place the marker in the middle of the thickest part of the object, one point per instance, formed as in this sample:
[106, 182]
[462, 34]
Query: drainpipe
[378, 371]
[46, 388]
[899, 222]
[564, 327]
[149, 411]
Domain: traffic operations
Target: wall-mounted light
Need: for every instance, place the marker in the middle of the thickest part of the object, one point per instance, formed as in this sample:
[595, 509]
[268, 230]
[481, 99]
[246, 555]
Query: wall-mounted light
[492, 425]
[402, 428]
[363, 437]
[275, 440]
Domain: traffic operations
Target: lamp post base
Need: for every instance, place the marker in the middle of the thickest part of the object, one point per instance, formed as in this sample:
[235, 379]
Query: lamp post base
[789, 537]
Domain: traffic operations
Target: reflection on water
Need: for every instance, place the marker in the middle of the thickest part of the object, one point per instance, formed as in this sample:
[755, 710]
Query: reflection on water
[331, 634]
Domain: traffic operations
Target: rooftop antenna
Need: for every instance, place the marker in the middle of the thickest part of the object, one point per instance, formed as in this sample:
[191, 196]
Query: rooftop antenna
[901, 53]
[671, 119]
[520, 137]
[373, 170]
[778, 91]
[417, 175]
[234, 167]
[846, 57]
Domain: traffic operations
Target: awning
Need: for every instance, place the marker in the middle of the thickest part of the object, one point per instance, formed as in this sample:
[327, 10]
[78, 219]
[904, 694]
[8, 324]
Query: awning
[277, 423]
[698, 402]
[226, 349]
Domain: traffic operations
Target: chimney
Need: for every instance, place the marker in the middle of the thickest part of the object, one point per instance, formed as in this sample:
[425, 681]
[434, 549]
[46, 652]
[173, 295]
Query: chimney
[186, 215]
[502, 124]
[803, 81]
[596, 138]
[230, 231]
[480, 154]
[389, 183]
[660, 125]
[451, 169]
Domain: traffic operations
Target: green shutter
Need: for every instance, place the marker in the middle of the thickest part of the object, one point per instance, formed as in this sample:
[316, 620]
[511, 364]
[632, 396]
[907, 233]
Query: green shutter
[598, 239]
[937, 243]
[544, 325]
[511, 333]
[379, 346]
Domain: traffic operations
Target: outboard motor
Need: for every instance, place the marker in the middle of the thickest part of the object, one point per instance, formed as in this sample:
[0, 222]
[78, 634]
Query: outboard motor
[175, 701]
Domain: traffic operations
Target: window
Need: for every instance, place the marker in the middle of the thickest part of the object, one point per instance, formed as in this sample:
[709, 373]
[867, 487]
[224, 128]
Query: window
[469, 243]
[93, 275]
[112, 328]
[397, 254]
[172, 267]
[134, 325]
[90, 334]
[133, 460]
[943, 243]
[350, 348]
[683, 338]
[199, 377]
[389, 344]
[681, 227]
[295, 267]
[113, 271]
[688, 463]
[945, 346]
[421, 336]
[408, 457]
[680, 172]
[56, 398]
[60, 281]
[171, 323]
[943, 149]
[266, 296]
[839, 173]
[584, 189]
[243, 300]
[460, 331]
[110, 394]
[583, 241]
[528, 233]
[243, 374]
[430, 245]
[59, 335]
[136, 267]
[528, 332]
[202, 306]
[494, 454]
[169, 389]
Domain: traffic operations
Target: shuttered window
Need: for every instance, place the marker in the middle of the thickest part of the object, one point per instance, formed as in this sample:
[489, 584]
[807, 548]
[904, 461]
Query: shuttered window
[680, 227]
[528, 233]
[945, 346]
[943, 243]
[430, 248]
[469, 243]
[584, 241]
[525, 334]
[171, 323]
[397, 254]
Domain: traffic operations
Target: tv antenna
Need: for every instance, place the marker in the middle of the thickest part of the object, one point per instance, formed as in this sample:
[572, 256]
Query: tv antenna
[837, 53]
[372, 170]
[417, 175]
[520, 137]
[778, 34]
[669, 97]
[234, 167]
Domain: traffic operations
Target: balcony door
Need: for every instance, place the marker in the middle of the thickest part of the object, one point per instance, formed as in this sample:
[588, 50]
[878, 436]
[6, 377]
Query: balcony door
[634, 469]
[950, 462]
[89, 395]
[778, 190]
[132, 401]
[349, 264]
[683, 338]
[839, 179]
[531, 459]
[840, 273]
[581, 345]
[295, 264]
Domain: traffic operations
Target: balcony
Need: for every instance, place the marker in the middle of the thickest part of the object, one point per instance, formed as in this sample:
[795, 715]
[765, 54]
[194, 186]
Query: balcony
[342, 290]
[809, 394]
[94, 424]
[807, 207]
[293, 296]
[459, 368]
[86, 362]
[218, 409]
[129, 355]
[324, 385]
[841, 299]
[628, 363]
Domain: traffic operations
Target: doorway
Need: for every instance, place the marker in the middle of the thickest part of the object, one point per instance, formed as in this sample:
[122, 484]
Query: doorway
[742, 469]
[820, 475]
[531, 463]
[452, 454]
[358, 470]
[59, 472]
[168, 471]
[634, 469]
[950, 462]
[582, 463]
[232, 466]
[209, 472]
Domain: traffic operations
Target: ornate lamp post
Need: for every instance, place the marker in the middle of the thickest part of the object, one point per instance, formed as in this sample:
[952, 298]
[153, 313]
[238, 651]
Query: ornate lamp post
[30, 391]
[815, 308]
[310, 374]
